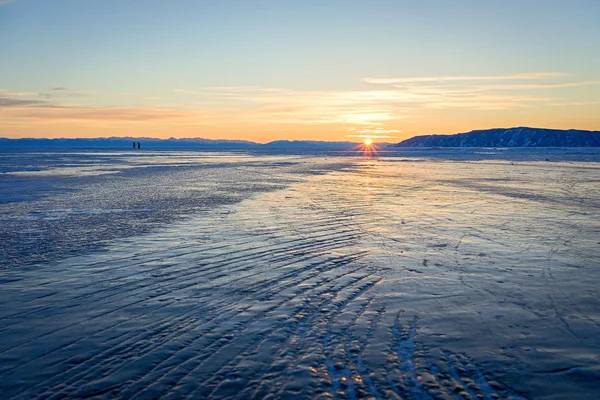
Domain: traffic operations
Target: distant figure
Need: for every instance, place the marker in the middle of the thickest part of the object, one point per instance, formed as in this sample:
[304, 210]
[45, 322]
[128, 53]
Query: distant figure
[138, 145]
[134, 145]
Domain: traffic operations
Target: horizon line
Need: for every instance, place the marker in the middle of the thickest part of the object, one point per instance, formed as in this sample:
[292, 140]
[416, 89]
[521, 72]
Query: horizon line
[282, 140]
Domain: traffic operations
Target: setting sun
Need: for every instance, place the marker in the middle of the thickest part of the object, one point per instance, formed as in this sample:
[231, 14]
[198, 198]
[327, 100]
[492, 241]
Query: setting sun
[368, 142]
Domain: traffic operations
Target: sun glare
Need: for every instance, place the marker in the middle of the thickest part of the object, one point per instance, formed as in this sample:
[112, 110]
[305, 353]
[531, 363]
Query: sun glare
[368, 142]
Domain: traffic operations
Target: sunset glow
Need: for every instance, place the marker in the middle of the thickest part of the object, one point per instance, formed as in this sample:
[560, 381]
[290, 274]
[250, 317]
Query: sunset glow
[268, 73]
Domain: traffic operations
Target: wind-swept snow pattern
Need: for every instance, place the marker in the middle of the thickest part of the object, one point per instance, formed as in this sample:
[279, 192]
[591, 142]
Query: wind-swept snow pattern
[391, 278]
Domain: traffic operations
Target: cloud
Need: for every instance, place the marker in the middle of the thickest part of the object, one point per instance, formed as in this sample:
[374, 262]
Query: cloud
[184, 91]
[377, 110]
[132, 114]
[4, 92]
[377, 133]
[16, 106]
[371, 136]
[31, 110]
[379, 130]
[287, 106]
[61, 91]
[8, 101]
[445, 78]
[525, 86]
[392, 100]
[3, 2]
[575, 103]
[380, 109]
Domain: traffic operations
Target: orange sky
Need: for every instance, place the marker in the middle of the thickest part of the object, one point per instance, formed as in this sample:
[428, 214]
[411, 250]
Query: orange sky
[334, 71]
[386, 110]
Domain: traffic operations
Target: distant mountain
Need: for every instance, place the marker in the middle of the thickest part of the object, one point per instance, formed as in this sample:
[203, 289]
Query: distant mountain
[511, 137]
[125, 143]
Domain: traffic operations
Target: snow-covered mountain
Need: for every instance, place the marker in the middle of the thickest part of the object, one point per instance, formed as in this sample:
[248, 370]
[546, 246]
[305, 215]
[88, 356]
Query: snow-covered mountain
[511, 137]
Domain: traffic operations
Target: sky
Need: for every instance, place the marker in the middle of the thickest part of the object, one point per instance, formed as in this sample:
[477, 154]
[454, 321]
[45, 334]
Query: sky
[337, 70]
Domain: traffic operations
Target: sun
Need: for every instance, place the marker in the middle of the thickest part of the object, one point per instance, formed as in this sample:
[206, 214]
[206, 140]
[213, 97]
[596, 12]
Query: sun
[368, 142]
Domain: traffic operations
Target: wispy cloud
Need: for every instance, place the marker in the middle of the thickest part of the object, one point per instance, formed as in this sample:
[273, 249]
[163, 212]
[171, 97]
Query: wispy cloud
[61, 91]
[23, 106]
[377, 133]
[548, 85]
[4, 92]
[277, 105]
[132, 114]
[376, 111]
[379, 111]
[3, 2]
[184, 91]
[371, 136]
[443, 78]
[16, 101]
[392, 99]
[379, 130]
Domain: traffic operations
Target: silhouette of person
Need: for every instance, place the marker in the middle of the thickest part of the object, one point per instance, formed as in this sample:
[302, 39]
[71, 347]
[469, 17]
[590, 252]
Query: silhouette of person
[134, 145]
[138, 145]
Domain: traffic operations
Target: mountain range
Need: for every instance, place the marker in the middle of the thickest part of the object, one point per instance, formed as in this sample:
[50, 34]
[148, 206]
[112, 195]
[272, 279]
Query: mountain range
[511, 137]
[497, 137]
[126, 143]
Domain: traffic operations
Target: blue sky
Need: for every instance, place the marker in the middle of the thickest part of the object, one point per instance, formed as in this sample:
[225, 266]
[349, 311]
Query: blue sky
[264, 70]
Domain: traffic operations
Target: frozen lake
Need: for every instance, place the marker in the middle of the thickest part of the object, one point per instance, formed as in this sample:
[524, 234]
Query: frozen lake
[420, 275]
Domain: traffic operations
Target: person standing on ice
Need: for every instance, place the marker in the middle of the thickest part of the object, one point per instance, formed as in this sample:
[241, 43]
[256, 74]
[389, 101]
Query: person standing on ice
[138, 145]
[134, 145]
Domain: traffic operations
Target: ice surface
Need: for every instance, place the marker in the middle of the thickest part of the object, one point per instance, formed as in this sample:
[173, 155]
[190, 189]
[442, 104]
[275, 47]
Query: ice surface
[57, 204]
[315, 277]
